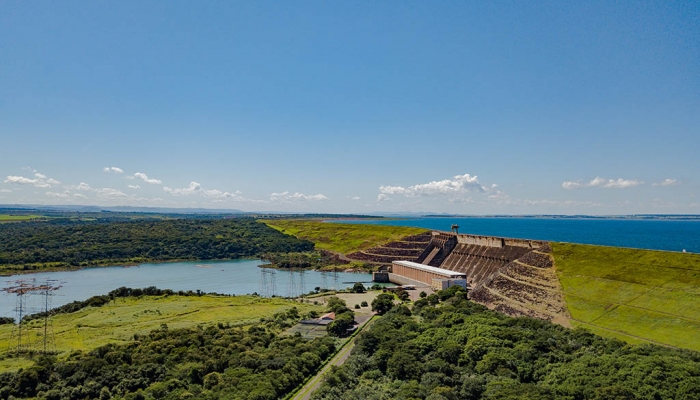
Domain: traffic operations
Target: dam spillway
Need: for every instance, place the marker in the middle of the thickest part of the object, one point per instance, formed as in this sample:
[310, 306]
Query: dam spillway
[513, 276]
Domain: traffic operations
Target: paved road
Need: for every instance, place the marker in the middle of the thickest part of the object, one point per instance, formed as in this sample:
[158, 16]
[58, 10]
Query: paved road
[338, 359]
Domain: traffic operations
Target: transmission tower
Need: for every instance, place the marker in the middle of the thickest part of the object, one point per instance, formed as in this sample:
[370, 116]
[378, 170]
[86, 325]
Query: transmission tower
[335, 279]
[292, 285]
[272, 274]
[23, 288]
[324, 280]
[264, 284]
[48, 291]
[302, 282]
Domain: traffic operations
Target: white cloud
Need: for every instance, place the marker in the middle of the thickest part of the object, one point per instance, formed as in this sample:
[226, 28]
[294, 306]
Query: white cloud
[667, 182]
[113, 170]
[659, 203]
[459, 184]
[110, 193]
[134, 187]
[5, 191]
[196, 188]
[79, 195]
[602, 182]
[57, 195]
[192, 189]
[456, 188]
[356, 198]
[566, 203]
[145, 178]
[287, 197]
[39, 180]
[83, 186]
[383, 197]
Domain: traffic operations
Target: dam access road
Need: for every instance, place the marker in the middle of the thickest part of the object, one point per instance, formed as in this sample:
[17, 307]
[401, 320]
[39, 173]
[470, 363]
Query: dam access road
[307, 390]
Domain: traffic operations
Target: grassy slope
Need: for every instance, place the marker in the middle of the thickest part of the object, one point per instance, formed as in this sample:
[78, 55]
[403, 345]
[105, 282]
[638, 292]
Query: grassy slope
[118, 322]
[343, 238]
[635, 295]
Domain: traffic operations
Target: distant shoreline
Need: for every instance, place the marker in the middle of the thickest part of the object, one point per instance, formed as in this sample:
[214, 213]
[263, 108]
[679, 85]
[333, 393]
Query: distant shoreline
[642, 217]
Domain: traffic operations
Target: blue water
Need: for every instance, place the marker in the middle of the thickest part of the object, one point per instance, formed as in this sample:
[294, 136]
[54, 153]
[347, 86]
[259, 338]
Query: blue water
[642, 234]
[227, 277]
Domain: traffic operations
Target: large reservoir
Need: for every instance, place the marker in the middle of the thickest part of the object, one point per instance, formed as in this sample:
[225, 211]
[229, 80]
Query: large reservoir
[652, 234]
[235, 277]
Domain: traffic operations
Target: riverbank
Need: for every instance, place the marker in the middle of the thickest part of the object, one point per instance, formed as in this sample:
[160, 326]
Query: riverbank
[12, 270]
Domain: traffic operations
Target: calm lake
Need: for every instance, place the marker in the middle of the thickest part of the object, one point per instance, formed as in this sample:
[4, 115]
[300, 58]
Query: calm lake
[227, 277]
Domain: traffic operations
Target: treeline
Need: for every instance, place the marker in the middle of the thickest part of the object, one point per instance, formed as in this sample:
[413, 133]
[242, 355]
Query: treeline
[309, 260]
[217, 362]
[70, 243]
[461, 350]
[100, 300]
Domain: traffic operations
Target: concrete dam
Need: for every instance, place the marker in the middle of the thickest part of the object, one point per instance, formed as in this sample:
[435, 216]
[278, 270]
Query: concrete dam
[513, 276]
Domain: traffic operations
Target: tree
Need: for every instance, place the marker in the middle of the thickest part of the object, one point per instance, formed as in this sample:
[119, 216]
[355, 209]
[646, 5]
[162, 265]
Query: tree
[423, 295]
[358, 287]
[341, 324]
[337, 305]
[383, 303]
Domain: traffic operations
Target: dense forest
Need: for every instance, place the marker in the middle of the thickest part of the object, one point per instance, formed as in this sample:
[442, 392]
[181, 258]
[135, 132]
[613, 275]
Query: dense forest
[73, 243]
[216, 362]
[461, 350]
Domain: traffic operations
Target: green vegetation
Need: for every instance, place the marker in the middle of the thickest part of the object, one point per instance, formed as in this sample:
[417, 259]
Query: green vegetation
[71, 244]
[15, 218]
[342, 238]
[305, 260]
[383, 303]
[461, 350]
[344, 317]
[635, 295]
[121, 319]
[215, 362]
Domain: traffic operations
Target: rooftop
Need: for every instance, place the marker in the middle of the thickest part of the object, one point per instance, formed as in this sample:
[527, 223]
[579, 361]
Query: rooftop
[428, 268]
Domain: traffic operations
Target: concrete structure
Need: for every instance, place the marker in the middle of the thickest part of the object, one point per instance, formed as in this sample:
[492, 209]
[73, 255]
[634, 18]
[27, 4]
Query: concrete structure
[442, 284]
[424, 273]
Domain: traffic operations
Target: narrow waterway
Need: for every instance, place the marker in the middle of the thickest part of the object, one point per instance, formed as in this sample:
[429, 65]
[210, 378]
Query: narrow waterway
[227, 277]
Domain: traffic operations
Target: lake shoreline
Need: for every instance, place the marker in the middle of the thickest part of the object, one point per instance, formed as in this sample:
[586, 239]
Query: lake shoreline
[4, 273]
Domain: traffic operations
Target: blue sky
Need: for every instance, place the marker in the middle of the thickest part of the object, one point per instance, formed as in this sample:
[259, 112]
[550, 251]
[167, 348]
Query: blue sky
[589, 107]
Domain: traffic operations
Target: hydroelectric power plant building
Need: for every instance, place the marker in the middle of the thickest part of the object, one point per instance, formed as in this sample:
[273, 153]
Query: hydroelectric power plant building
[456, 259]
[438, 278]
[512, 276]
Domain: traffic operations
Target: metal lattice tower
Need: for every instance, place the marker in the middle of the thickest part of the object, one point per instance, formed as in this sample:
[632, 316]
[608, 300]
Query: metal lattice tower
[23, 288]
[292, 285]
[268, 285]
[324, 280]
[264, 284]
[48, 291]
[335, 279]
[273, 282]
[302, 282]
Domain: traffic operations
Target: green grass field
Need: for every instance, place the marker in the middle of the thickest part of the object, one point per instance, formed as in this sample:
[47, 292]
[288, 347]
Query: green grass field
[342, 238]
[634, 295]
[15, 218]
[118, 322]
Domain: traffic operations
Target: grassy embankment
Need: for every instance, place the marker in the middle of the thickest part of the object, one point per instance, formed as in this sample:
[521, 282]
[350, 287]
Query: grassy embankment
[342, 238]
[635, 295]
[118, 322]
